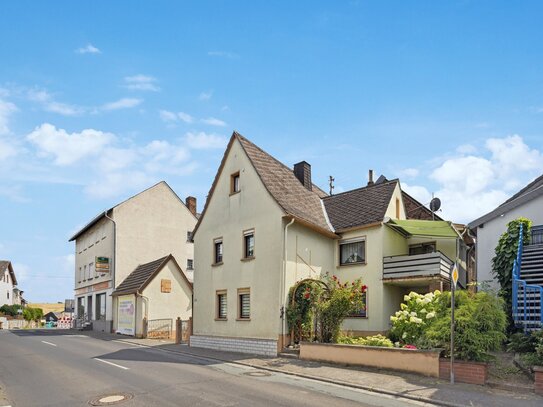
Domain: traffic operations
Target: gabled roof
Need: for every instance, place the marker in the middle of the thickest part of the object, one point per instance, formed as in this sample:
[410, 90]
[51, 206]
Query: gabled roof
[102, 215]
[144, 274]
[526, 194]
[282, 185]
[6, 265]
[359, 207]
[415, 210]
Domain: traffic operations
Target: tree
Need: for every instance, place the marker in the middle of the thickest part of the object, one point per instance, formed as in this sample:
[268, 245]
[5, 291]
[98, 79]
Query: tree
[505, 255]
[11, 310]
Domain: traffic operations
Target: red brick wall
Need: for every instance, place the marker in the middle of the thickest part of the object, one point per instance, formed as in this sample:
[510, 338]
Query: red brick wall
[465, 372]
[538, 385]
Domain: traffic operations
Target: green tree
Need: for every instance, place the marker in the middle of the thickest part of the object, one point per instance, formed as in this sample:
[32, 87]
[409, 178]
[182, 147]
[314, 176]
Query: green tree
[505, 255]
[11, 310]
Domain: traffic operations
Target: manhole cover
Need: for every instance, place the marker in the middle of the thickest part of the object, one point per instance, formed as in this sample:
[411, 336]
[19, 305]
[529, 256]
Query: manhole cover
[110, 399]
[257, 374]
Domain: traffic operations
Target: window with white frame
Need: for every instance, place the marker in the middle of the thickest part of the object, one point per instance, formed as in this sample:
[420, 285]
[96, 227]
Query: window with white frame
[217, 251]
[221, 305]
[352, 251]
[244, 303]
[249, 244]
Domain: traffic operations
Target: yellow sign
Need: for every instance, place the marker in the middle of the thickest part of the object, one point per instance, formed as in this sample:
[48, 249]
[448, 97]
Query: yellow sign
[454, 275]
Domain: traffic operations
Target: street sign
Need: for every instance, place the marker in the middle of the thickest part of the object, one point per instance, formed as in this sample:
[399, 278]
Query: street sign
[454, 275]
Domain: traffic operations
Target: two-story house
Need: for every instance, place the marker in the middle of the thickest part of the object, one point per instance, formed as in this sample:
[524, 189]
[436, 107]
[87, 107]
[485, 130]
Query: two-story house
[144, 228]
[9, 294]
[266, 226]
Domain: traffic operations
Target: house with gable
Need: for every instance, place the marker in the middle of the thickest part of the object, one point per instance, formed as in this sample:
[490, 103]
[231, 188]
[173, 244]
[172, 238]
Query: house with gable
[9, 293]
[266, 227]
[144, 228]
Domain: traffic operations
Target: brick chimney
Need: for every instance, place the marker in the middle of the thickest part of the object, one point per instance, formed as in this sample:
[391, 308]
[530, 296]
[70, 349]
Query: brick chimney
[302, 171]
[370, 177]
[190, 201]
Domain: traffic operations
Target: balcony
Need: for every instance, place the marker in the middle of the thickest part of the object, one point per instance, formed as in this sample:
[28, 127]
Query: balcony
[420, 269]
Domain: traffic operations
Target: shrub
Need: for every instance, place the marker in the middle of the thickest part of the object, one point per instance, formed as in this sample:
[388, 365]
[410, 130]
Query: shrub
[377, 340]
[12, 310]
[32, 314]
[480, 326]
[531, 347]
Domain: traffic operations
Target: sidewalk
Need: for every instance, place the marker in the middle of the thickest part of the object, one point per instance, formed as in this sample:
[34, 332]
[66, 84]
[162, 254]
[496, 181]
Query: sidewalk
[393, 383]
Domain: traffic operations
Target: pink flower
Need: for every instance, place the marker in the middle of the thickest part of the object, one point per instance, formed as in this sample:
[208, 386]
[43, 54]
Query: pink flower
[412, 347]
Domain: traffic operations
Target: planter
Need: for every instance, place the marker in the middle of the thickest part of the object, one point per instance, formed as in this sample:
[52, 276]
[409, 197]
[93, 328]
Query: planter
[425, 362]
[464, 371]
[538, 384]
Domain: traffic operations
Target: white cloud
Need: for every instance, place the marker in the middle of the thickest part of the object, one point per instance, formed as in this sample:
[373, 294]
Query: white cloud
[6, 110]
[141, 82]
[409, 173]
[214, 122]
[223, 54]
[124, 103]
[472, 182]
[44, 98]
[206, 95]
[172, 117]
[68, 148]
[202, 140]
[14, 193]
[88, 49]
[7, 150]
[114, 184]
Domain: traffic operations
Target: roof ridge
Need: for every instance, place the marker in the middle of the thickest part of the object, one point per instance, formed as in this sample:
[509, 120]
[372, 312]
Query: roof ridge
[364, 187]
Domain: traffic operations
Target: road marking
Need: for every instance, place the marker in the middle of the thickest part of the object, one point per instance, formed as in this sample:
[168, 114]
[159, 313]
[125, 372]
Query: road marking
[111, 363]
[49, 343]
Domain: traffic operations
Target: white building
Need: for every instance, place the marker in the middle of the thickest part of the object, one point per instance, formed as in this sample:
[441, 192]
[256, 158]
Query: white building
[150, 225]
[9, 294]
[527, 203]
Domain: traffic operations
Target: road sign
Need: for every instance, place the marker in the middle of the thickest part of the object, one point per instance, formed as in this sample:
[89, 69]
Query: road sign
[454, 275]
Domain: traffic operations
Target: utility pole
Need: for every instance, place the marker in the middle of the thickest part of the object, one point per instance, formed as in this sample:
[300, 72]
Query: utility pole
[331, 181]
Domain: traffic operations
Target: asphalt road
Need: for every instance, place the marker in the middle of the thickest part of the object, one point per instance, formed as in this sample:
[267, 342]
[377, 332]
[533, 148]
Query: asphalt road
[59, 368]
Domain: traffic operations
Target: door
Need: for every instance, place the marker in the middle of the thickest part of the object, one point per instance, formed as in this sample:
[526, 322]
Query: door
[89, 308]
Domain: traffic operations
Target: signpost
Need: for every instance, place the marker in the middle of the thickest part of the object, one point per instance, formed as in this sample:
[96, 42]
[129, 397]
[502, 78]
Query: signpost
[454, 280]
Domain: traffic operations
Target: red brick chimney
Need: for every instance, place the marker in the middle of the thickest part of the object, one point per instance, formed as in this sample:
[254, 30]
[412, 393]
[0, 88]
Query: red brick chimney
[190, 201]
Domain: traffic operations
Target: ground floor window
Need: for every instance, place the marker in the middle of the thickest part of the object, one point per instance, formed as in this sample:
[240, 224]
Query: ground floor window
[363, 311]
[244, 303]
[100, 312]
[80, 307]
[221, 305]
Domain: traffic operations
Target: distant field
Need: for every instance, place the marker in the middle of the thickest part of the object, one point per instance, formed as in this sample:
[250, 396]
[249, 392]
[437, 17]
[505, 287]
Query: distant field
[48, 307]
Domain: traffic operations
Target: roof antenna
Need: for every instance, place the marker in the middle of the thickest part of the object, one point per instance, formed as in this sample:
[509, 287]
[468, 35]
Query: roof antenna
[332, 179]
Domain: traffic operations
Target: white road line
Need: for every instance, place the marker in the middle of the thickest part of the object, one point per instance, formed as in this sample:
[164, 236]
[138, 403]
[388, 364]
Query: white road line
[49, 343]
[111, 363]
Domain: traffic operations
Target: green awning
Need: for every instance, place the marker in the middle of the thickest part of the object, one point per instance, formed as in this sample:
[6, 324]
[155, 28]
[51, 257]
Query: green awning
[426, 228]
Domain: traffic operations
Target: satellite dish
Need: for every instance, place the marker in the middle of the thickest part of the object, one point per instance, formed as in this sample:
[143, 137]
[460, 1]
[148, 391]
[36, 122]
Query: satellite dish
[435, 204]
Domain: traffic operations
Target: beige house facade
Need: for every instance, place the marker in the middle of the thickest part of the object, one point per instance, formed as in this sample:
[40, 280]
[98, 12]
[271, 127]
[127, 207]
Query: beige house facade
[9, 293]
[150, 225]
[266, 227]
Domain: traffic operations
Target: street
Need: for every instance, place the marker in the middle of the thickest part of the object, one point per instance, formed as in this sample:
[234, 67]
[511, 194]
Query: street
[61, 368]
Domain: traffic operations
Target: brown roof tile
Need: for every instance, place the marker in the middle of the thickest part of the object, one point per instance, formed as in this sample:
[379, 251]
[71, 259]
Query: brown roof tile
[6, 265]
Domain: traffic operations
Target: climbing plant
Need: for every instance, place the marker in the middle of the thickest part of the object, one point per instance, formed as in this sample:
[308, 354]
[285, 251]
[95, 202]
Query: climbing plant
[301, 308]
[505, 254]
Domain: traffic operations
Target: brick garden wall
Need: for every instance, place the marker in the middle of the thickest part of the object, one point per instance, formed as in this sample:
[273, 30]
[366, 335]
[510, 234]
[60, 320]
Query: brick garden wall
[465, 372]
[538, 385]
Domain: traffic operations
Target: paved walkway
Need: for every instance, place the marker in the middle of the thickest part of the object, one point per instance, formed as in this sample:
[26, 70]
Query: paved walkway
[395, 383]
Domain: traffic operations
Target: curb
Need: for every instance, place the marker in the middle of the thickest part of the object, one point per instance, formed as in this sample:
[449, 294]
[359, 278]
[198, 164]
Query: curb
[310, 377]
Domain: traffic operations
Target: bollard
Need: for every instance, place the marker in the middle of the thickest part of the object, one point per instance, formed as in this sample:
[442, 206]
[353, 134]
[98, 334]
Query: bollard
[178, 332]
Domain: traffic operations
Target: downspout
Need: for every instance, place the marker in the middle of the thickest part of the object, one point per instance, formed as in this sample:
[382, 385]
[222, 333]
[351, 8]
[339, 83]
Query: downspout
[282, 282]
[113, 260]
[145, 315]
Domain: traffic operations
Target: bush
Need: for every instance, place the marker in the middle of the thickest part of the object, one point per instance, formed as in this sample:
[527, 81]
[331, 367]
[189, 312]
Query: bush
[480, 326]
[531, 347]
[32, 314]
[11, 310]
[377, 340]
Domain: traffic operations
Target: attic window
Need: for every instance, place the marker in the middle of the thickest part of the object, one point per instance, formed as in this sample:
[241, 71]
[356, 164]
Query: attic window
[234, 183]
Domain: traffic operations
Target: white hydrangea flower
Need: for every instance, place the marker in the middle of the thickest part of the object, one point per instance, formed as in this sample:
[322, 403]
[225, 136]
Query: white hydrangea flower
[430, 315]
[404, 335]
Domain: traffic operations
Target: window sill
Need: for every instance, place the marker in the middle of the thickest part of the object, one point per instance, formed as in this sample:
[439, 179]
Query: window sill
[217, 264]
[352, 264]
[221, 319]
[247, 258]
[243, 319]
[234, 193]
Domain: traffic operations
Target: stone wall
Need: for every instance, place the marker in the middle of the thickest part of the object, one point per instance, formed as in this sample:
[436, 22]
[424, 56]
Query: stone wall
[263, 347]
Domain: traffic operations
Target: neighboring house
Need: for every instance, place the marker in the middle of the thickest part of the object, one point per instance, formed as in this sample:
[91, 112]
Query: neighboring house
[18, 297]
[527, 203]
[265, 227]
[157, 292]
[9, 293]
[145, 227]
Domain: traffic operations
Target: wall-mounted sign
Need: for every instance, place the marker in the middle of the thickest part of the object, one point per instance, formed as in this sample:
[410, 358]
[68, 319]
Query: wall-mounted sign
[102, 264]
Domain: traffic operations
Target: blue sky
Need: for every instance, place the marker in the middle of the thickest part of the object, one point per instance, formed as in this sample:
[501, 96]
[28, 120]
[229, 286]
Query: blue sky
[101, 100]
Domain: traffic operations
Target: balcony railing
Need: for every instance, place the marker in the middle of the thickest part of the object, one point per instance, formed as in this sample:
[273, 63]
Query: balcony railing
[420, 266]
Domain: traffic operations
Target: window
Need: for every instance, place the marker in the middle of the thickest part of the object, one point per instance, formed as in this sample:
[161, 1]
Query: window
[244, 303]
[189, 236]
[363, 311]
[249, 244]
[92, 271]
[84, 272]
[190, 264]
[397, 208]
[81, 275]
[100, 311]
[234, 183]
[217, 251]
[422, 248]
[221, 305]
[352, 251]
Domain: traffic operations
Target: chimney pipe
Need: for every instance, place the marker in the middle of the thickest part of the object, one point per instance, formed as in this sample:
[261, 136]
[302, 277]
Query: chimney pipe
[302, 171]
[190, 202]
[370, 177]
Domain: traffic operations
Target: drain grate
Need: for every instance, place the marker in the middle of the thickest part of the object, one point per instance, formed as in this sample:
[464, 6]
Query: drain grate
[111, 399]
[257, 373]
